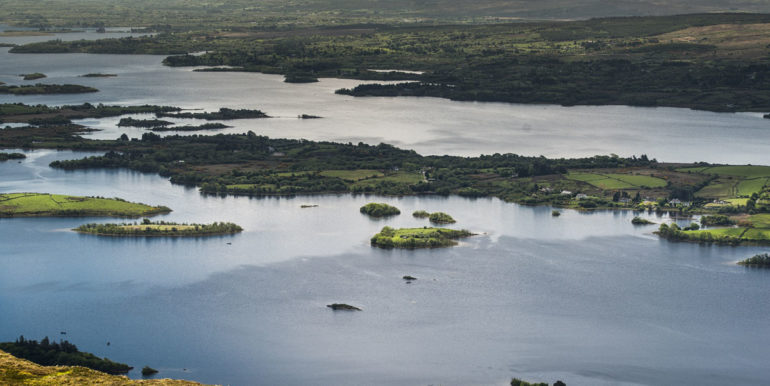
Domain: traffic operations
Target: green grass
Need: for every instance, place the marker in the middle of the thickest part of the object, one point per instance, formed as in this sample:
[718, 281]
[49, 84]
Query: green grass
[397, 177]
[641, 181]
[745, 234]
[716, 189]
[760, 220]
[352, 175]
[748, 187]
[748, 171]
[42, 204]
[617, 181]
[757, 235]
[718, 232]
[693, 170]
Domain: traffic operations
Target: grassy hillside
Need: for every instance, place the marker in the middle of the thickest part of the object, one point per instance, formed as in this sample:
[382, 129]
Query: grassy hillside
[15, 371]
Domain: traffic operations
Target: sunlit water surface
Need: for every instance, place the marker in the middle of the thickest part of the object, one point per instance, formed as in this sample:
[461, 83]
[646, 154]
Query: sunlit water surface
[585, 297]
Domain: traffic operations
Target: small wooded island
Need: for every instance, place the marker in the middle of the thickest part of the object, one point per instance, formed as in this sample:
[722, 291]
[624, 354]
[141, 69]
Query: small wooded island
[205, 126]
[160, 229]
[46, 89]
[223, 114]
[377, 209]
[412, 238]
[7, 156]
[146, 123]
[761, 260]
[441, 218]
[59, 205]
[641, 221]
[435, 217]
[33, 76]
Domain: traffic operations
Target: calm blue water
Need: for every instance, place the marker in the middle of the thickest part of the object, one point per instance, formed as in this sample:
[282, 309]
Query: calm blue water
[585, 297]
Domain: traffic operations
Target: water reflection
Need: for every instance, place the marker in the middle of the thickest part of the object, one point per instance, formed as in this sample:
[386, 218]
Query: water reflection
[586, 297]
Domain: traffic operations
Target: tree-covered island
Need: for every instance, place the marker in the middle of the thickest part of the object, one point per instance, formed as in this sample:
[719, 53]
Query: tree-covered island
[148, 228]
[413, 238]
[376, 209]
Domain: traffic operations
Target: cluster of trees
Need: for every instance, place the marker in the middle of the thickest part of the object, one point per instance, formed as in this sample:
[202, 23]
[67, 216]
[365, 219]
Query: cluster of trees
[376, 209]
[8, 156]
[64, 353]
[716, 220]
[441, 218]
[640, 221]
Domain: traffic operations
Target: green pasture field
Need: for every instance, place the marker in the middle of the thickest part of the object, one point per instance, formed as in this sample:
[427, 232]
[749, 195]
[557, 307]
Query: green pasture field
[42, 204]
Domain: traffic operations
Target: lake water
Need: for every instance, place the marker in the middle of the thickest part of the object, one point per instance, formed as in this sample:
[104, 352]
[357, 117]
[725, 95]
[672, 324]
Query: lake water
[585, 297]
[427, 125]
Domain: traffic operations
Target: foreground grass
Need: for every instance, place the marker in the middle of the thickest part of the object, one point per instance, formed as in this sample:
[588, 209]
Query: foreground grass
[160, 229]
[54, 205]
[15, 371]
[48, 353]
[412, 238]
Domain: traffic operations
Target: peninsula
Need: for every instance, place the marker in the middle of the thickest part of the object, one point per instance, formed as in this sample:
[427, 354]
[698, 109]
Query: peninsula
[59, 205]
